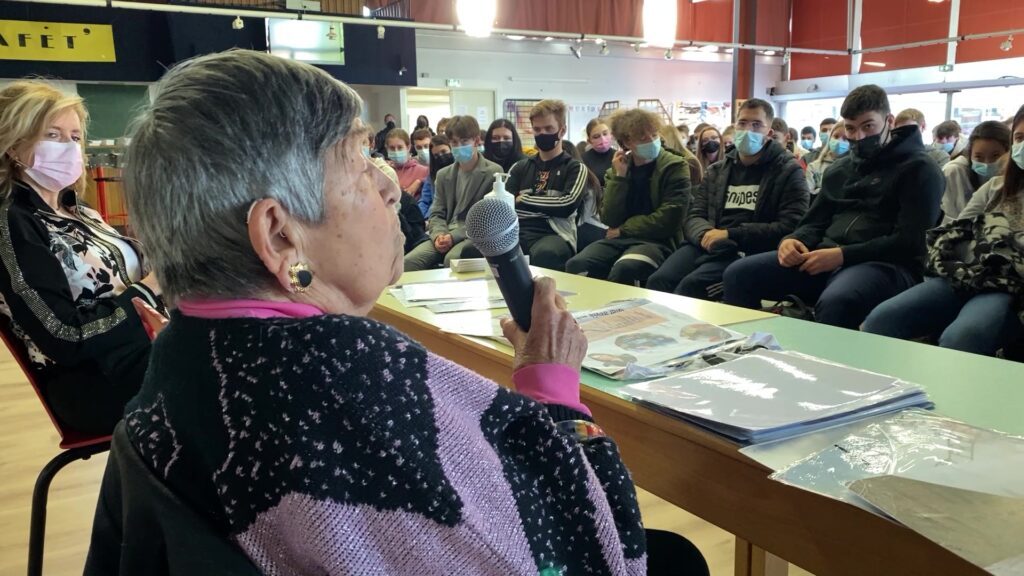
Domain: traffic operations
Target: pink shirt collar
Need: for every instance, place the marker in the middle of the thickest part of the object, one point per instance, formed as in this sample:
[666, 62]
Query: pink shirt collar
[219, 309]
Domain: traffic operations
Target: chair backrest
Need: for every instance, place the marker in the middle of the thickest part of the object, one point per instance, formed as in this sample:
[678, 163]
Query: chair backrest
[17, 348]
[144, 527]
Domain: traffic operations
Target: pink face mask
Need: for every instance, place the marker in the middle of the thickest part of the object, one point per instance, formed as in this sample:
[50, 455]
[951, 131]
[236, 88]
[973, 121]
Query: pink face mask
[57, 165]
[603, 145]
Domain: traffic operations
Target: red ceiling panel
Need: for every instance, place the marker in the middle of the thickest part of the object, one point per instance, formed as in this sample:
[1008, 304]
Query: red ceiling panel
[980, 16]
[819, 24]
[772, 22]
[710, 20]
[889, 22]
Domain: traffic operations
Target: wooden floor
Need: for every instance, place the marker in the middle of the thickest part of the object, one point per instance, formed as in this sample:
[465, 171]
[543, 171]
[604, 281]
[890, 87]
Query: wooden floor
[28, 441]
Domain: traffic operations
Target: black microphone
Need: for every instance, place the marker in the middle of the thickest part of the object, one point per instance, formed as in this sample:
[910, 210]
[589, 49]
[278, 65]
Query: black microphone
[493, 227]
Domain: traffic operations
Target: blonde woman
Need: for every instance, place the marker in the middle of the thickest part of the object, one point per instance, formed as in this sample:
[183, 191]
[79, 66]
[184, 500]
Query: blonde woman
[67, 279]
[674, 144]
[709, 146]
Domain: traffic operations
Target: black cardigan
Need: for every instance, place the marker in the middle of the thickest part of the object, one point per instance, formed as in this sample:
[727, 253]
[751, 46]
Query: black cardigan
[89, 351]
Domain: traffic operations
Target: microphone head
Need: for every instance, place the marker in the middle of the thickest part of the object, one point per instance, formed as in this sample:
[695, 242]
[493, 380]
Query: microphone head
[493, 226]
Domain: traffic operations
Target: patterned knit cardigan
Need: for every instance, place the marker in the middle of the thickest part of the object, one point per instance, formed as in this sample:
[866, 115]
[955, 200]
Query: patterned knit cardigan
[335, 445]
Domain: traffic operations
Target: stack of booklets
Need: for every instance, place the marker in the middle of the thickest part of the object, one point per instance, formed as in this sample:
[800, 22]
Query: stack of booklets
[767, 395]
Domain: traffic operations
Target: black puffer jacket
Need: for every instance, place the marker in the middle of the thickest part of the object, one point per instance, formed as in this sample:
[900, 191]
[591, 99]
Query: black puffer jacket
[878, 210]
[781, 202]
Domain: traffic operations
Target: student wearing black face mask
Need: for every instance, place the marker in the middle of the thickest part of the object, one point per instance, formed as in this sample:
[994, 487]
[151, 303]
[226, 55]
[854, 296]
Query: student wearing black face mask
[863, 240]
[502, 144]
[440, 157]
[549, 187]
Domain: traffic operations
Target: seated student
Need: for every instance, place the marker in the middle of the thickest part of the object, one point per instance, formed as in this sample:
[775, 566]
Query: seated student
[670, 141]
[411, 173]
[808, 138]
[963, 315]
[746, 204]
[410, 218]
[916, 117]
[440, 157]
[644, 203]
[549, 187]
[589, 228]
[835, 148]
[729, 139]
[946, 137]
[456, 190]
[423, 123]
[863, 240]
[598, 159]
[421, 146]
[502, 144]
[781, 134]
[709, 147]
[380, 141]
[988, 144]
[824, 130]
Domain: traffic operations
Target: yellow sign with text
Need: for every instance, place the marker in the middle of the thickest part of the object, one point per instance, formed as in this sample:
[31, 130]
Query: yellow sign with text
[56, 41]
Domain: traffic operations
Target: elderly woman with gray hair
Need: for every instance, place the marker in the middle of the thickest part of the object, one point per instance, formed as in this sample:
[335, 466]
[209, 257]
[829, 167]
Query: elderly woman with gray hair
[317, 440]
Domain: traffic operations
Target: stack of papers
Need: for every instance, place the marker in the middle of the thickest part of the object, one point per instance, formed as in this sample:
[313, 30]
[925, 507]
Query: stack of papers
[956, 484]
[638, 338]
[450, 295]
[767, 395]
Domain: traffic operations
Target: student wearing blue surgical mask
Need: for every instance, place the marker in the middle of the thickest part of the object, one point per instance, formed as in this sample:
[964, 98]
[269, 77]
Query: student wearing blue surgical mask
[863, 240]
[647, 192]
[946, 137]
[836, 146]
[411, 173]
[938, 152]
[983, 158]
[965, 302]
[824, 130]
[748, 200]
[456, 189]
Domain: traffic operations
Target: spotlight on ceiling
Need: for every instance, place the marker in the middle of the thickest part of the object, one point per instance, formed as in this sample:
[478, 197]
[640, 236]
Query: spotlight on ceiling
[769, 52]
[381, 32]
[477, 16]
[332, 33]
[576, 51]
[238, 23]
[668, 54]
[604, 49]
[1007, 44]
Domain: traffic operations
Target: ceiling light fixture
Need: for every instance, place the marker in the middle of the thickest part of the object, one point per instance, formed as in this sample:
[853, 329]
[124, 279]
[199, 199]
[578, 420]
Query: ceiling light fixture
[381, 32]
[769, 52]
[668, 54]
[238, 23]
[659, 21]
[875, 64]
[548, 38]
[604, 49]
[367, 12]
[332, 33]
[477, 16]
[709, 49]
[515, 37]
[576, 51]
[1007, 44]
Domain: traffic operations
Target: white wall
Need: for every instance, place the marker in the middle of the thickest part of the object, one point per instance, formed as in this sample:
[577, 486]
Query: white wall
[531, 69]
[381, 100]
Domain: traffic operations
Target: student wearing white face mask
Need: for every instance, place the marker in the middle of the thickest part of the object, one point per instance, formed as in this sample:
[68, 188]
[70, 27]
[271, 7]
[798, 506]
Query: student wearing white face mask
[983, 158]
[647, 193]
[68, 279]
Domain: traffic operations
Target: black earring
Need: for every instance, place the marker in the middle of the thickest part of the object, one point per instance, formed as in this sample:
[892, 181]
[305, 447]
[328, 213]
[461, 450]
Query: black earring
[301, 277]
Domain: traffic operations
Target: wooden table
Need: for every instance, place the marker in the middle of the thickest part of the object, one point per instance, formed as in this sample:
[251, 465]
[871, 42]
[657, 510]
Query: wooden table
[704, 473]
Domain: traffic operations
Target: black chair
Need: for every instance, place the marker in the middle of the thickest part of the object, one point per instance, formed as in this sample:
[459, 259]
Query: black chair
[142, 527]
[74, 446]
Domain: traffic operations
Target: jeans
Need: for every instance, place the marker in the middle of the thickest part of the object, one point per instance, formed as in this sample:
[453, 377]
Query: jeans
[545, 248]
[844, 297]
[620, 260]
[425, 257]
[690, 271]
[979, 323]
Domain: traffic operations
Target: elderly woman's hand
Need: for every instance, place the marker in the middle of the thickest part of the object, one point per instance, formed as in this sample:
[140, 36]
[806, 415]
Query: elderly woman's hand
[554, 336]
